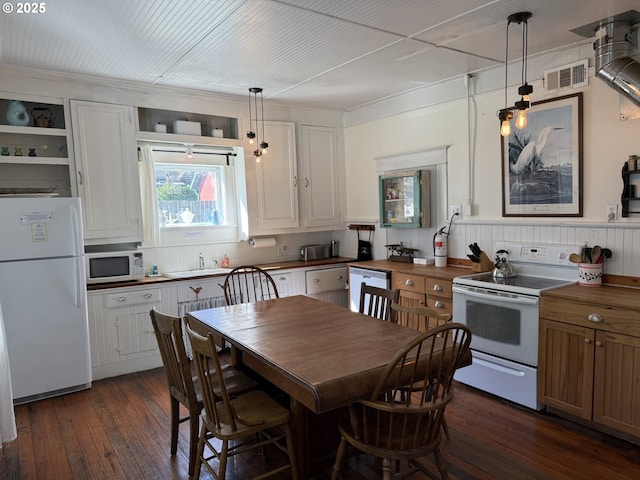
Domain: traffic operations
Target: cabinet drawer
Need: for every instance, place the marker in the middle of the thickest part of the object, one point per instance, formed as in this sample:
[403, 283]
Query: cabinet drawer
[410, 282]
[438, 287]
[598, 316]
[195, 290]
[442, 305]
[326, 280]
[134, 297]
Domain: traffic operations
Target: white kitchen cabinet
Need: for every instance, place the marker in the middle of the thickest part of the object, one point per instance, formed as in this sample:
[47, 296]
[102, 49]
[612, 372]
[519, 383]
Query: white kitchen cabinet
[294, 194]
[35, 157]
[320, 176]
[276, 177]
[328, 284]
[121, 334]
[107, 171]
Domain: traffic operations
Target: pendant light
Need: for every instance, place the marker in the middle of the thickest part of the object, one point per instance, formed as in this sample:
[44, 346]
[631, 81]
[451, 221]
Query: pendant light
[525, 89]
[254, 134]
[506, 114]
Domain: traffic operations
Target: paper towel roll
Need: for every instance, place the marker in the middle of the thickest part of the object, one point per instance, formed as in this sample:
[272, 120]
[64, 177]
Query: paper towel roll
[262, 242]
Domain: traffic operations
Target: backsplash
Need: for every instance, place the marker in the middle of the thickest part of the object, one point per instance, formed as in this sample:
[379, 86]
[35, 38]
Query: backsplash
[623, 240]
[175, 258]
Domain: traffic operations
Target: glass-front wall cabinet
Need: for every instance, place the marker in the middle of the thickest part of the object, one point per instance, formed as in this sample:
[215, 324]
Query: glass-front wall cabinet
[404, 199]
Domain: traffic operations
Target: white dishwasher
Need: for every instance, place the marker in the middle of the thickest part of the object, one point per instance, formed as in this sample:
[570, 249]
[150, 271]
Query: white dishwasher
[358, 276]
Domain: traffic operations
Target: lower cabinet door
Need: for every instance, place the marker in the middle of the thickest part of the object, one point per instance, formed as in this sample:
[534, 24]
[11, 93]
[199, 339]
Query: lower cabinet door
[565, 367]
[616, 395]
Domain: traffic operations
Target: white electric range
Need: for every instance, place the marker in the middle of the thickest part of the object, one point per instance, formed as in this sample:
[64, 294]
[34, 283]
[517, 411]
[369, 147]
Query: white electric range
[502, 314]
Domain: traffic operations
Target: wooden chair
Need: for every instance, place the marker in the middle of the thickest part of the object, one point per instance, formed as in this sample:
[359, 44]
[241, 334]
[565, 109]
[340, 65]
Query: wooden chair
[400, 430]
[419, 317]
[248, 284]
[376, 302]
[183, 387]
[249, 421]
[424, 319]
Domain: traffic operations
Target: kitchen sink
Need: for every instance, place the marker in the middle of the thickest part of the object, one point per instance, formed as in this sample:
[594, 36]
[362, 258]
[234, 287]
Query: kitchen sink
[197, 273]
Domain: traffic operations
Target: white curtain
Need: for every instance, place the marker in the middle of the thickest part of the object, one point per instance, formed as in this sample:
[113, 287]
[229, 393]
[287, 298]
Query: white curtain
[150, 220]
[7, 416]
[193, 305]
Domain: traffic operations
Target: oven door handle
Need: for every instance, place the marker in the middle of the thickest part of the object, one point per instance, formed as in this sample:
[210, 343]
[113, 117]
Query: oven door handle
[503, 296]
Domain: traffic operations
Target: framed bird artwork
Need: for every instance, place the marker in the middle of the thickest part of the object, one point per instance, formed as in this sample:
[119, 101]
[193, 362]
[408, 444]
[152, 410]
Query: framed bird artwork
[542, 163]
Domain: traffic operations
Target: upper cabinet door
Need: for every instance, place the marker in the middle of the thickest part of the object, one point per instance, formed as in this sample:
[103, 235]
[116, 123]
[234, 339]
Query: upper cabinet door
[320, 182]
[277, 178]
[107, 171]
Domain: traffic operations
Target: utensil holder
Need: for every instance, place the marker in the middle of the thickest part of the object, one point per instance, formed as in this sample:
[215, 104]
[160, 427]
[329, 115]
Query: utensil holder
[590, 274]
[485, 264]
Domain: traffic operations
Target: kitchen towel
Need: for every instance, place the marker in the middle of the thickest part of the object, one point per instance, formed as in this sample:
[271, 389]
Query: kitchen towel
[263, 242]
[7, 415]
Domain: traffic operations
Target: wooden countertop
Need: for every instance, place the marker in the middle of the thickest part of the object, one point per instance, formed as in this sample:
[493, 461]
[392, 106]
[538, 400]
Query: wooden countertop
[328, 262]
[448, 272]
[608, 295]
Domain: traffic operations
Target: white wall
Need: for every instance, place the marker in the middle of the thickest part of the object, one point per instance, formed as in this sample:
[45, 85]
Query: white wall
[475, 148]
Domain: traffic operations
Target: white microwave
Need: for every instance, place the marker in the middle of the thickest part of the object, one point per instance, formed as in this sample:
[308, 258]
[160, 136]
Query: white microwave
[104, 267]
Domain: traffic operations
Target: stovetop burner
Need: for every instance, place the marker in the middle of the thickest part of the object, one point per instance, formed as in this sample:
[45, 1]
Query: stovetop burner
[524, 281]
[538, 267]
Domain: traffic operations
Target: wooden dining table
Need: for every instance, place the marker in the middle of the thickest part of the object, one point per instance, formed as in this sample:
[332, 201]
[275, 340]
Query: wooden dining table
[322, 355]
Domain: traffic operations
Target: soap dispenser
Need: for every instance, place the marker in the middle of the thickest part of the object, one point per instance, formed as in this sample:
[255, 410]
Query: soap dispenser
[224, 263]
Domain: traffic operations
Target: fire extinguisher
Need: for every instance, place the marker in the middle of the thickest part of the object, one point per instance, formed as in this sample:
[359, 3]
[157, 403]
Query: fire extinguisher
[440, 248]
[440, 244]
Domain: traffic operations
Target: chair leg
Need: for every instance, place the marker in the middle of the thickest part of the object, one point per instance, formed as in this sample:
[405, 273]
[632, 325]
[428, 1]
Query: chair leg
[445, 427]
[440, 463]
[194, 423]
[386, 469]
[224, 452]
[339, 458]
[175, 421]
[200, 454]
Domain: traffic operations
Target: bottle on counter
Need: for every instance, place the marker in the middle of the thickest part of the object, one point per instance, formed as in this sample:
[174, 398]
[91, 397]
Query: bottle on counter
[224, 263]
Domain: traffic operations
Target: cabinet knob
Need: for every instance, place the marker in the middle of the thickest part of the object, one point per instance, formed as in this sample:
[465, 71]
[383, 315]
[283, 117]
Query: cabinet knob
[148, 295]
[122, 299]
[282, 279]
[595, 317]
[438, 304]
[339, 277]
[409, 282]
[437, 288]
[587, 341]
[598, 343]
[316, 280]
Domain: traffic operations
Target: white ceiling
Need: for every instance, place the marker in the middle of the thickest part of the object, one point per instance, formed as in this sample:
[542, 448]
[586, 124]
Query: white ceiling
[336, 54]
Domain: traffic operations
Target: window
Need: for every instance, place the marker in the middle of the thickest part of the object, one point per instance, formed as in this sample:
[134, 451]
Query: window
[198, 194]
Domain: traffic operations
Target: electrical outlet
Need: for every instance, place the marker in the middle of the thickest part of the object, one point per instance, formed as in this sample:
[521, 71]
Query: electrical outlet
[282, 251]
[455, 210]
[612, 212]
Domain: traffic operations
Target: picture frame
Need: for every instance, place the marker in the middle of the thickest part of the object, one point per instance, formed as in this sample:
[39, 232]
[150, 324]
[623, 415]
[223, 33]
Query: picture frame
[542, 163]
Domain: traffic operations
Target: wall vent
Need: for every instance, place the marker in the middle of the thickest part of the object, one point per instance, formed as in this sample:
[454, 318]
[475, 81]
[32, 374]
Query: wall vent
[572, 75]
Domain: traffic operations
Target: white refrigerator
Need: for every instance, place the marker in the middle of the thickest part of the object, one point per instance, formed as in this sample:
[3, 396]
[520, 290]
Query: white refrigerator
[43, 296]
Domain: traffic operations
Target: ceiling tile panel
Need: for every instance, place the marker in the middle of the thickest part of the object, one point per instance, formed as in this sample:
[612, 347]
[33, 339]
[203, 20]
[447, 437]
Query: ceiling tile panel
[275, 57]
[328, 53]
[403, 17]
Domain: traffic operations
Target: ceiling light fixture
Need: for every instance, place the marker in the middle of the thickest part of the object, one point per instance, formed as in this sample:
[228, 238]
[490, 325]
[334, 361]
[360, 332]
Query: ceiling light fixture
[506, 114]
[254, 134]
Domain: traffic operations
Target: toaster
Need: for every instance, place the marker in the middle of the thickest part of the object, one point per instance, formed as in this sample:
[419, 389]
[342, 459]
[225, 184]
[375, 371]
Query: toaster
[314, 252]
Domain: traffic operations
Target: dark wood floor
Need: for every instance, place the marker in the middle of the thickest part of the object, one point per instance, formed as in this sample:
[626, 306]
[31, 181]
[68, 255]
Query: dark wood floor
[119, 430]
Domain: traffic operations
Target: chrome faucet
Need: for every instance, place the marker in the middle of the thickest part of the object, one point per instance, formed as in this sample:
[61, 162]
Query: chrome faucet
[215, 262]
[201, 259]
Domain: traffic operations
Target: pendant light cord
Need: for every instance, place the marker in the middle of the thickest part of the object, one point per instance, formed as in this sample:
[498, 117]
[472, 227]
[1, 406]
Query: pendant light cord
[525, 50]
[506, 63]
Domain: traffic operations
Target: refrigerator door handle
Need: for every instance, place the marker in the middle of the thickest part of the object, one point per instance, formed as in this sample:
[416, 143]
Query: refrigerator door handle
[76, 220]
[79, 280]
